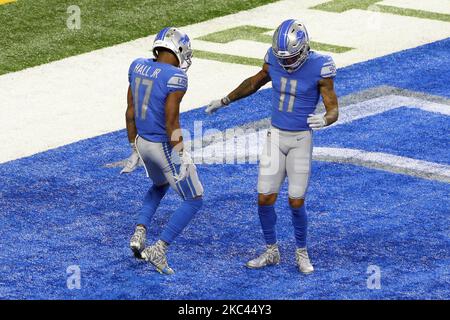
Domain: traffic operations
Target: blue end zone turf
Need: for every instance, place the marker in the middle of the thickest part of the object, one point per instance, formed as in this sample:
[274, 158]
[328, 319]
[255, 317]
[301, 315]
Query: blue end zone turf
[404, 132]
[63, 207]
[421, 69]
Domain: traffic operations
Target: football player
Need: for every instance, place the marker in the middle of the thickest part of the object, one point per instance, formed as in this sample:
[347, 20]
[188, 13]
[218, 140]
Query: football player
[156, 88]
[299, 77]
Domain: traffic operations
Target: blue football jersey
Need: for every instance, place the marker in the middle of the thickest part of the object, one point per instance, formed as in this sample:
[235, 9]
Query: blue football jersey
[151, 82]
[295, 95]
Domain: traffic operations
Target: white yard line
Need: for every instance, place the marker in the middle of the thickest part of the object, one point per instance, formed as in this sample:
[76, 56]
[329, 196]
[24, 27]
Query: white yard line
[247, 148]
[83, 96]
[385, 161]
[379, 105]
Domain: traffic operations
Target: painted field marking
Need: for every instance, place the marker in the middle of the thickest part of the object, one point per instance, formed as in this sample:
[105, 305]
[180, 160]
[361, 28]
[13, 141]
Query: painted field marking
[222, 152]
[250, 33]
[263, 35]
[438, 6]
[228, 58]
[385, 161]
[382, 104]
[249, 144]
[374, 5]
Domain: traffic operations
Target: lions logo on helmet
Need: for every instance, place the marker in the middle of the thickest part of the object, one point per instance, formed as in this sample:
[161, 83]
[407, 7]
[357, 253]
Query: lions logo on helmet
[291, 44]
[176, 41]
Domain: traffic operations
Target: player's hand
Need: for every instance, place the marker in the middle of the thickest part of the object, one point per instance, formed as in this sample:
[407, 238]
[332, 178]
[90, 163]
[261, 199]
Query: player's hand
[316, 121]
[133, 160]
[185, 164]
[215, 105]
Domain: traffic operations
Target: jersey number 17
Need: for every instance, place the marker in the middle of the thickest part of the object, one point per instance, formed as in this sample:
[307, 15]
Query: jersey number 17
[148, 90]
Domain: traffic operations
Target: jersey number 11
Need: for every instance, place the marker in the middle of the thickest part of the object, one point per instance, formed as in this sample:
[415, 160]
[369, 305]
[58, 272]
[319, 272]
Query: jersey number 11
[293, 85]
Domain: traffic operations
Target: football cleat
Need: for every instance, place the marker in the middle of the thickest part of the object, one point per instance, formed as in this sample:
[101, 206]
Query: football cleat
[137, 242]
[303, 262]
[156, 255]
[270, 257]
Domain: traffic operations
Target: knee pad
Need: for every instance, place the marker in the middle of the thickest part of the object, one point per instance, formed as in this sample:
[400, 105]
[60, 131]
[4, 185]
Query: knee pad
[267, 187]
[296, 191]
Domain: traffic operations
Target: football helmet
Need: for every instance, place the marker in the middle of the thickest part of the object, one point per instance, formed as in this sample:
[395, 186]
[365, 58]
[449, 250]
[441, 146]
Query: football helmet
[177, 42]
[290, 44]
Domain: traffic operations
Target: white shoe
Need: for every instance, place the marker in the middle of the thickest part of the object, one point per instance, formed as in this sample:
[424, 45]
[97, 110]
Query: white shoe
[303, 262]
[156, 255]
[137, 242]
[270, 257]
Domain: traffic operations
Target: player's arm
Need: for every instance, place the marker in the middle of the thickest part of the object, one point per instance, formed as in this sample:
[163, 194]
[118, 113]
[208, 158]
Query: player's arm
[173, 129]
[250, 85]
[172, 111]
[129, 117]
[133, 160]
[318, 121]
[330, 100]
[246, 88]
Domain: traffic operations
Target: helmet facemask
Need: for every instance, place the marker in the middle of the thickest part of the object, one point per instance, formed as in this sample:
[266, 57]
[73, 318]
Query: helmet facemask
[294, 62]
[186, 58]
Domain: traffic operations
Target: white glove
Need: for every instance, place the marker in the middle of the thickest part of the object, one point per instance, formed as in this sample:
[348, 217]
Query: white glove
[133, 160]
[215, 105]
[185, 163]
[316, 121]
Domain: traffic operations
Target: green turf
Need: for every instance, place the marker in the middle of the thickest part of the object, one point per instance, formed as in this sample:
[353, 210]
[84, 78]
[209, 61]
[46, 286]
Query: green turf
[34, 32]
